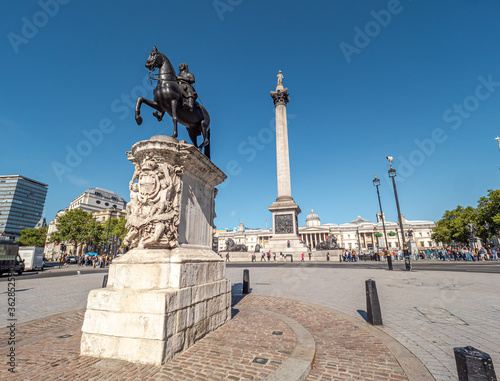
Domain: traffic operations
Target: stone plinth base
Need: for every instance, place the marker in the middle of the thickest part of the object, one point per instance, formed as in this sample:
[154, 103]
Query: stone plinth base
[280, 243]
[157, 303]
[319, 256]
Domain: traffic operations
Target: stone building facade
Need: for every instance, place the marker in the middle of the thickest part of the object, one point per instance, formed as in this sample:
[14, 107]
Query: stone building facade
[359, 235]
[102, 203]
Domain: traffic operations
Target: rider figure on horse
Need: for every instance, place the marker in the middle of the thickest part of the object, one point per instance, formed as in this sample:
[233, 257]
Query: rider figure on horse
[185, 79]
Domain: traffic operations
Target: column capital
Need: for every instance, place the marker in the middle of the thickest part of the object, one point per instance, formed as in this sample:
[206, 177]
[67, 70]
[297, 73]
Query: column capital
[280, 97]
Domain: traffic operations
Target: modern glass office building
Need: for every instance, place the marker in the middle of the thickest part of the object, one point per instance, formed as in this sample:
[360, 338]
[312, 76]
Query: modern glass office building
[21, 205]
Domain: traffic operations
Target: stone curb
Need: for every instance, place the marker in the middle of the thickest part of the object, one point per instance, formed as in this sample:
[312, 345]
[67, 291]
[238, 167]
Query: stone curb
[413, 368]
[299, 364]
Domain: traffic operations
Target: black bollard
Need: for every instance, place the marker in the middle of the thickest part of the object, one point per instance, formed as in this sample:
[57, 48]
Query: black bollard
[374, 315]
[474, 365]
[389, 260]
[105, 281]
[246, 281]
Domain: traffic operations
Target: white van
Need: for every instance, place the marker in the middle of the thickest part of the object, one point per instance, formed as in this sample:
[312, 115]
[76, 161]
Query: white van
[32, 256]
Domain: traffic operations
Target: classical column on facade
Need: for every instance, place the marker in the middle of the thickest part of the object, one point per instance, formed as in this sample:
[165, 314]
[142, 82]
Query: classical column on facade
[285, 211]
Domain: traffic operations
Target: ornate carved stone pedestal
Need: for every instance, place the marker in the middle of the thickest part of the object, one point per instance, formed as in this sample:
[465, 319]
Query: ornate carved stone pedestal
[285, 227]
[170, 290]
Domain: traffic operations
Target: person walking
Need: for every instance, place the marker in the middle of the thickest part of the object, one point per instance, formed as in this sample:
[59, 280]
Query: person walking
[302, 260]
[327, 256]
[227, 257]
[310, 255]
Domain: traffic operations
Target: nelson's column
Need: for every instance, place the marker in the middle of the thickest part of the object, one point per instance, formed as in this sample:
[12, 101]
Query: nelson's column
[285, 236]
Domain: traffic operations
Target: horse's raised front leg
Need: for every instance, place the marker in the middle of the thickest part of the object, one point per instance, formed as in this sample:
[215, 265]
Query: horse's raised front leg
[174, 116]
[151, 104]
[159, 115]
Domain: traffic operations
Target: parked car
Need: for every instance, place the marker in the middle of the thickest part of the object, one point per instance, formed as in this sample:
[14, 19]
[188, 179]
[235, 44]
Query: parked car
[71, 259]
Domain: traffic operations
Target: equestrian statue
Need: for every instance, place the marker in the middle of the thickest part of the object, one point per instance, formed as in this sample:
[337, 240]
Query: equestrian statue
[175, 95]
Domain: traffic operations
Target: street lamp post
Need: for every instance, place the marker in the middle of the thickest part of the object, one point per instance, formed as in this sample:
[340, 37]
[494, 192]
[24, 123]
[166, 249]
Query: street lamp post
[409, 234]
[487, 228]
[359, 241]
[92, 236]
[471, 229]
[106, 249]
[392, 175]
[376, 183]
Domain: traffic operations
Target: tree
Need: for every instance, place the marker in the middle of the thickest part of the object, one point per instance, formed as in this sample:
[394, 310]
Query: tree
[33, 237]
[75, 226]
[453, 225]
[118, 228]
[488, 210]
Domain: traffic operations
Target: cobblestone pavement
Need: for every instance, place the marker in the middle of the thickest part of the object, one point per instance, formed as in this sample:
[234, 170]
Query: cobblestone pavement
[429, 312]
[49, 349]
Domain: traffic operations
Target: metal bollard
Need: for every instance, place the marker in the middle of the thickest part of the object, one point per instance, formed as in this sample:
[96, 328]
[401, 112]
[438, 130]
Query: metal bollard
[373, 312]
[246, 281]
[389, 260]
[105, 281]
[473, 365]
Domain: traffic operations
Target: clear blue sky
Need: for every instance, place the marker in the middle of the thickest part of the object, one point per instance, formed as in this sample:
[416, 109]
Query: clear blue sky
[367, 79]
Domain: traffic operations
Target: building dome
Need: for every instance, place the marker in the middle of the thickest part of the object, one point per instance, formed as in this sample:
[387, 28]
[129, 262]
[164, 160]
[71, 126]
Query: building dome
[312, 219]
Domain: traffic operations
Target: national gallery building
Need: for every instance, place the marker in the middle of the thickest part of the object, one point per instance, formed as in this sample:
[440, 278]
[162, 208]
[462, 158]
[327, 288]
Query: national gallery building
[360, 234]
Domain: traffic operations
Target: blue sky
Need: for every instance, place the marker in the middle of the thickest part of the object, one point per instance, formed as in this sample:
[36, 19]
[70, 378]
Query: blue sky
[418, 80]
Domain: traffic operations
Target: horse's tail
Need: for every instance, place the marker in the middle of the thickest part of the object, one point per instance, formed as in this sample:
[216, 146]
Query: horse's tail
[207, 147]
[206, 121]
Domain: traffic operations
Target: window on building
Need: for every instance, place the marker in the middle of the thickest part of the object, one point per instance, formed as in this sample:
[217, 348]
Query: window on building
[107, 204]
[97, 202]
[422, 243]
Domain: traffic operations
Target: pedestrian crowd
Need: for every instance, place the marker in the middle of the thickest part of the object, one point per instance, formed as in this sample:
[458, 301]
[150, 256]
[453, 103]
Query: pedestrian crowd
[444, 254]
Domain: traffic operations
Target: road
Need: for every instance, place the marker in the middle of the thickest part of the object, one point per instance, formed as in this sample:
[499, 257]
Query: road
[486, 267]
[477, 267]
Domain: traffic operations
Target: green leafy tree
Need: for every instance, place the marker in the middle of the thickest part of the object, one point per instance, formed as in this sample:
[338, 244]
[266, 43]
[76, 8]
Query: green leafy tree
[33, 237]
[488, 210]
[75, 226]
[118, 228]
[453, 225]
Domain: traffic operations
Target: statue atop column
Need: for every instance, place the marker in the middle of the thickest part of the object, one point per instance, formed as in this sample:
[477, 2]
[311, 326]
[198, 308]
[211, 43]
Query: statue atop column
[279, 85]
[280, 96]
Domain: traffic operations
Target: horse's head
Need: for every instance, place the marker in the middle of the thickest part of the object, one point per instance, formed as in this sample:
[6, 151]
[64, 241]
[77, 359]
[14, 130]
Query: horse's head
[154, 60]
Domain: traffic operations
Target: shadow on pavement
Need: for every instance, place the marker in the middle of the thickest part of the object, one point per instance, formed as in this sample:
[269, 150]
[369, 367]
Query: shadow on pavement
[236, 297]
[363, 314]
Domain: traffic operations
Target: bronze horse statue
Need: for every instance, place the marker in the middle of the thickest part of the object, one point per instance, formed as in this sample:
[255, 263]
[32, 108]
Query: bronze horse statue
[168, 97]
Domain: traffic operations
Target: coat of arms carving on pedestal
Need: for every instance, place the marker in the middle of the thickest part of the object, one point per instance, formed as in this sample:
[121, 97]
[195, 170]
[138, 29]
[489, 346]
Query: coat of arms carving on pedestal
[153, 210]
